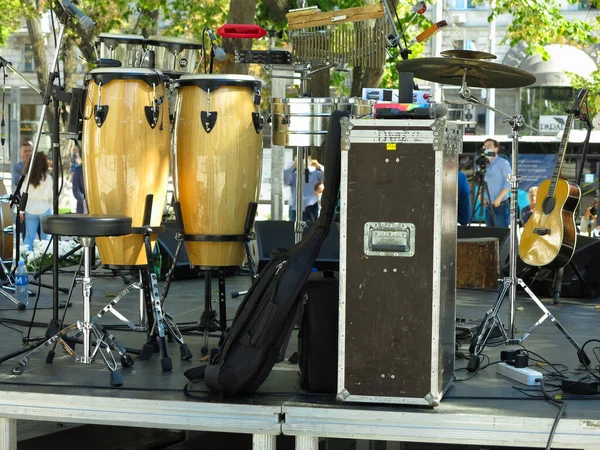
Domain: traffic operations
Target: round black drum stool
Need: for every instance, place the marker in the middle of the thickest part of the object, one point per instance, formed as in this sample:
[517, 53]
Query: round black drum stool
[95, 339]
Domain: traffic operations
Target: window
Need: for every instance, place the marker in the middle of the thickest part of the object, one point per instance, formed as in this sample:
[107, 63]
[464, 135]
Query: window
[465, 44]
[28, 65]
[464, 4]
[586, 4]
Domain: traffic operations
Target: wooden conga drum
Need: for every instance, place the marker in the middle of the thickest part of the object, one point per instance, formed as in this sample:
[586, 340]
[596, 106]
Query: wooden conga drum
[126, 153]
[217, 144]
[6, 224]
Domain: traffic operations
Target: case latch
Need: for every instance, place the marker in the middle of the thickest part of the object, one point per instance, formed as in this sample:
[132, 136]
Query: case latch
[389, 239]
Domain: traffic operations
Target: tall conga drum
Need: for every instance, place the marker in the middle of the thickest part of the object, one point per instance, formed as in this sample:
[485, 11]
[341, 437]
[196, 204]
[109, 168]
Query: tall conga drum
[126, 153]
[217, 144]
[6, 224]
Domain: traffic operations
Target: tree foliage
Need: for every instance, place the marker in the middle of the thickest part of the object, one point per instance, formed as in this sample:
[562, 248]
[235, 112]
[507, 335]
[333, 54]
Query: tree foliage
[542, 22]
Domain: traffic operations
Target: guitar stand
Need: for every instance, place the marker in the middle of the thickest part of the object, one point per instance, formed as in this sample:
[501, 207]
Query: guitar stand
[491, 319]
[558, 275]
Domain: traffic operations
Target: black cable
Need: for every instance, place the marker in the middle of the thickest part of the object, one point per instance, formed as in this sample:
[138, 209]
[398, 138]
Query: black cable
[559, 373]
[556, 402]
[37, 298]
[479, 369]
[13, 328]
[586, 365]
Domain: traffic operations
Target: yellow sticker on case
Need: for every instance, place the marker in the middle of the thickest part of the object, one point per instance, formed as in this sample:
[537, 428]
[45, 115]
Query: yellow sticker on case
[390, 146]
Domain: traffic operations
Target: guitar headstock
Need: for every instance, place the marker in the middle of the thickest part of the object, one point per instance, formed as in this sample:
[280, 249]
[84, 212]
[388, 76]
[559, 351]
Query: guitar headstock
[581, 97]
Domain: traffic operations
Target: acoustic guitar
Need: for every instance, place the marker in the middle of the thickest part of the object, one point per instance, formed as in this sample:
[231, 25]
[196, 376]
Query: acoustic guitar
[550, 235]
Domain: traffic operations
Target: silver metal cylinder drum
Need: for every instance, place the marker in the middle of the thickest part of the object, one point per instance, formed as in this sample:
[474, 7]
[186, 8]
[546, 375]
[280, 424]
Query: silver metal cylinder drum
[356, 107]
[301, 122]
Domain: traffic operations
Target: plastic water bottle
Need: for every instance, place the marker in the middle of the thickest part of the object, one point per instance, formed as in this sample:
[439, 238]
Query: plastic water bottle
[21, 282]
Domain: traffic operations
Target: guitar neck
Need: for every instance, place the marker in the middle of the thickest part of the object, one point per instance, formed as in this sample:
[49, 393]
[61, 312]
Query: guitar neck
[560, 156]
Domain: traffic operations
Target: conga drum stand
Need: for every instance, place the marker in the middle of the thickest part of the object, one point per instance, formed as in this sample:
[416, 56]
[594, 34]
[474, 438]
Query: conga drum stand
[208, 320]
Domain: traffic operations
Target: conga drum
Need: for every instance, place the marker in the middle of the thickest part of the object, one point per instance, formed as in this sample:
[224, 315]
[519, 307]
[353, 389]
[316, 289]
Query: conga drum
[217, 144]
[6, 224]
[126, 153]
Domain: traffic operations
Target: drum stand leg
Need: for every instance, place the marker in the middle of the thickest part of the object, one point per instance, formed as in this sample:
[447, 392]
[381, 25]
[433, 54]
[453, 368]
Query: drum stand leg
[154, 306]
[208, 319]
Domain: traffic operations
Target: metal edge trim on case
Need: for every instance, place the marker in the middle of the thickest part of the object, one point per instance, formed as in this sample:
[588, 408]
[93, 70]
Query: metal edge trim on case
[389, 400]
[345, 144]
[435, 297]
[378, 123]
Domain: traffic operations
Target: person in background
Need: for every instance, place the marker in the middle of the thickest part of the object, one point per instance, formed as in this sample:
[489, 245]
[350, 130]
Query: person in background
[496, 177]
[22, 165]
[311, 212]
[78, 189]
[315, 175]
[527, 212]
[589, 222]
[464, 200]
[39, 202]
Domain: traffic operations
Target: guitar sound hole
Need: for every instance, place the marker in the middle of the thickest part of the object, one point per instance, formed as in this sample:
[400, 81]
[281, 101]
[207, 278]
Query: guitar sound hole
[548, 205]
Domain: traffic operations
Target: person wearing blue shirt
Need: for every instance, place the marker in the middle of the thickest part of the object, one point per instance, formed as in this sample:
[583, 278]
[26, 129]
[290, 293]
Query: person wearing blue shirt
[496, 177]
[464, 200]
[315, 175]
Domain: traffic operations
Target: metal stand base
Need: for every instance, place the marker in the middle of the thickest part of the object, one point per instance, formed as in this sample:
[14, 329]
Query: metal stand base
[95, 340]
[492, 320]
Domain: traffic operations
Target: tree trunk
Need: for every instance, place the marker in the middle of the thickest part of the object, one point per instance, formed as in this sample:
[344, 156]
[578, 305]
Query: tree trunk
[67, 146]
[42, 69]
[240, 11]
[365, 77]
[319, 87]
[150, 23]
[277, 9]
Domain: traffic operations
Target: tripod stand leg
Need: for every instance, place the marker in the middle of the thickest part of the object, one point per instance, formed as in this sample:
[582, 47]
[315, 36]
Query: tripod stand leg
[583, 358]
[557, 284]
[19, 305]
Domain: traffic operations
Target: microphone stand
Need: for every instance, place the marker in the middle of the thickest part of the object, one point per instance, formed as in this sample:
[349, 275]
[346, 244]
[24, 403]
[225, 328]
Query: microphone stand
[55, 94]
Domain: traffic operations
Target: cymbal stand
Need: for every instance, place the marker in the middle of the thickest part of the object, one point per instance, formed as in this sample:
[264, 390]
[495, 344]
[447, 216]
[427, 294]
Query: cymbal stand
[491, 319]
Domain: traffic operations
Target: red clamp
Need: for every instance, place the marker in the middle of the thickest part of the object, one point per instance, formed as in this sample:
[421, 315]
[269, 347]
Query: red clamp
[241, 31]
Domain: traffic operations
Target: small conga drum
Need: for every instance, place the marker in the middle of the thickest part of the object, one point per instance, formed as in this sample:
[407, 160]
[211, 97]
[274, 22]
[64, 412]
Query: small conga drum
[129, 49]
[175, 56]
[126, 152]
[217, 144]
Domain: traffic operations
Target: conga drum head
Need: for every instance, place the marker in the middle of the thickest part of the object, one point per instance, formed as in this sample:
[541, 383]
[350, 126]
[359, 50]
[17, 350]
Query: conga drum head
[129, 49]
[175, 56]
[217, 151]
[126, 153]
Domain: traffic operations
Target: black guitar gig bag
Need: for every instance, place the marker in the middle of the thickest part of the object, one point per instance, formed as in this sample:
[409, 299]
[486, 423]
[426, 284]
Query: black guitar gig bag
[252, 344]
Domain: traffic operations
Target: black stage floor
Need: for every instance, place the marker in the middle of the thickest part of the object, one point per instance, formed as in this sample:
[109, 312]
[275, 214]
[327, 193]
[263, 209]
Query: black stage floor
[485, 392]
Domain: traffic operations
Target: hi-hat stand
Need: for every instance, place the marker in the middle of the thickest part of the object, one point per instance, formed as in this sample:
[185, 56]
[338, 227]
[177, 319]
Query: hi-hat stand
[491, 319]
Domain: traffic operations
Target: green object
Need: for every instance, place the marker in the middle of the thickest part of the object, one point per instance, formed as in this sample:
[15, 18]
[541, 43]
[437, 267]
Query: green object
[157, 260]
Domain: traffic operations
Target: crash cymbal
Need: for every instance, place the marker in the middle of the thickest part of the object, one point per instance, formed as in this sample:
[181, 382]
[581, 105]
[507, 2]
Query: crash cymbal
[482, 74]
[468, 54]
